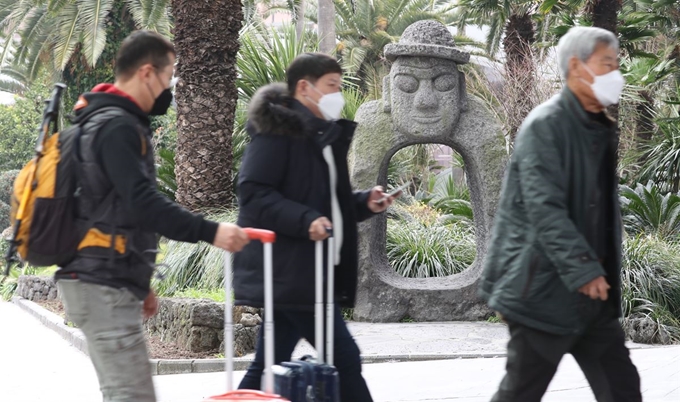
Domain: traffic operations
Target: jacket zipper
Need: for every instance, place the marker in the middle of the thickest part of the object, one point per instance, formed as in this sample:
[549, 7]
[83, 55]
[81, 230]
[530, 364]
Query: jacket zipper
[533, 265]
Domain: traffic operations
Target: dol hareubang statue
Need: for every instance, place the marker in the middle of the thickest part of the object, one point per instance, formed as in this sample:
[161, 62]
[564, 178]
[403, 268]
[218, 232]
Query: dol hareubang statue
[425, 101]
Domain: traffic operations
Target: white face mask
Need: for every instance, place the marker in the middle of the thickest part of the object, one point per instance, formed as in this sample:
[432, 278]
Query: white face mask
[330, 105]
[607, 87]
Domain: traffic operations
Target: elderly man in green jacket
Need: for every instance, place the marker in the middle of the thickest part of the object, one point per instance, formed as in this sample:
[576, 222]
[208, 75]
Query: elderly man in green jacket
[554, 261]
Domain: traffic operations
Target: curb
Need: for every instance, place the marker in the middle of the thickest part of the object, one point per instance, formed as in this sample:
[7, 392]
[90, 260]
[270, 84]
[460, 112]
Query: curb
[54, 322]
[189, 366]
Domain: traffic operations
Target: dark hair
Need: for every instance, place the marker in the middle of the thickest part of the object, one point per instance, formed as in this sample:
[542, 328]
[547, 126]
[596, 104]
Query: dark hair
[311, 67]
[142, 47]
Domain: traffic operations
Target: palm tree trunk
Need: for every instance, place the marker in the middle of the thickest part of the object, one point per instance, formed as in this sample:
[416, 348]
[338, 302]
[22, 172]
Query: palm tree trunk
[520, 68]
[644, 121]
[604, 14]
[207, 41]
[300, 19]
[326, 26]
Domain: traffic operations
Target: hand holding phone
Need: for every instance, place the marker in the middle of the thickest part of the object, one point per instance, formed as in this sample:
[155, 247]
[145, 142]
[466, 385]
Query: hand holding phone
[395, 192]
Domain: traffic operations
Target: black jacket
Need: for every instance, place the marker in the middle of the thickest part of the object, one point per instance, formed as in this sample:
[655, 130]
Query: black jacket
[283, 185]
[546, 236]
[117, 155]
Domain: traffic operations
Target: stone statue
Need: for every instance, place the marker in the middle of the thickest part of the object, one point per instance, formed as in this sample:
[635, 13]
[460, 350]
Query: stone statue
[424, 101]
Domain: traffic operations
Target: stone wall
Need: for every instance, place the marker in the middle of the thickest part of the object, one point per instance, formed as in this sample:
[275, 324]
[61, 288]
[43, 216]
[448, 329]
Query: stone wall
[36, 288]
[197, 325]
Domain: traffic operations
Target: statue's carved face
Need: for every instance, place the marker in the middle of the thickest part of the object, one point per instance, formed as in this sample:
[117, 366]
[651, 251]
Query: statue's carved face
[426, 95]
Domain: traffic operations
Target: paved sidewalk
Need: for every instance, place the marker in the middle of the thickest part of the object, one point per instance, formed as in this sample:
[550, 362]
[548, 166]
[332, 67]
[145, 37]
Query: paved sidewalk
[38, 365]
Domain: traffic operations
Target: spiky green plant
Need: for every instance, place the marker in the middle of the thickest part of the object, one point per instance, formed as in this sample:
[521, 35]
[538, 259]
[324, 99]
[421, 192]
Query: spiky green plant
[197, 266]
[418, 250]
[647, 209]
[651, 284]
[265, 54]
[165, 173]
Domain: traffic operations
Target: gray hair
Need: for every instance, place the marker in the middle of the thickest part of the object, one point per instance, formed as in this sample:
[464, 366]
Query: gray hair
[581, 42]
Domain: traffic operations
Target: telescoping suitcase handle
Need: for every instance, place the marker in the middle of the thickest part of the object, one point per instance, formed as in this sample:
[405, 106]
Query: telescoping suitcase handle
[330, 300]
[267, 238]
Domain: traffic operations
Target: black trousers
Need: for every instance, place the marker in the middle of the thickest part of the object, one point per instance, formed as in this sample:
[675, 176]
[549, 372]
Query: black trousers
[533, 357]
[290, 327]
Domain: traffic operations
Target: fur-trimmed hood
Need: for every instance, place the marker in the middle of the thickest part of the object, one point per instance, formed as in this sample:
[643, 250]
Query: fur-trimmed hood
[272, 111]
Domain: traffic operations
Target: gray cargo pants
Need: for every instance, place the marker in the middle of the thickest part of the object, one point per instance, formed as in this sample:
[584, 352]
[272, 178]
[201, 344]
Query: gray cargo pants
[111, 320]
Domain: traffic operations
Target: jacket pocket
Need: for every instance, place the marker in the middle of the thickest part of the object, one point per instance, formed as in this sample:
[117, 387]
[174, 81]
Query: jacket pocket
[533, 267]
[541, 278]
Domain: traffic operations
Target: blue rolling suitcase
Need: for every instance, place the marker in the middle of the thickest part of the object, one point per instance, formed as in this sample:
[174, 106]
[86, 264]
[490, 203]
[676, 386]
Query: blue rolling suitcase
[313, 379]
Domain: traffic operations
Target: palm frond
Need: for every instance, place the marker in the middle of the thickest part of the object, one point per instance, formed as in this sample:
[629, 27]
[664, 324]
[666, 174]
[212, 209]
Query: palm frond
[92, 21]
[68, 26]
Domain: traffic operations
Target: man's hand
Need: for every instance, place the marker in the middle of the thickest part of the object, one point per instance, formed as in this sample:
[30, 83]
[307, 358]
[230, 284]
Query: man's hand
[150, 307]
[317, 230]
[596, 289]
[230, 237]
[379, 201]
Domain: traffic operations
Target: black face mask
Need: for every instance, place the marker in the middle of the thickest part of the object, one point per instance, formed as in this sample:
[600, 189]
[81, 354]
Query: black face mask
[162, 103]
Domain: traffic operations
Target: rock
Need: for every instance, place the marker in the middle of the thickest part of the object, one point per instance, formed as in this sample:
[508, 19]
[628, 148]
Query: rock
[250, 320]
[424, 101]
[252, 310]
[207, 314]
[643, 329]
[198, 325]
[37, 288]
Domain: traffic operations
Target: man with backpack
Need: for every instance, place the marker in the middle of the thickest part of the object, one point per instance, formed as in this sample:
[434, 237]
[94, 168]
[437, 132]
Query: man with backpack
[104, 286]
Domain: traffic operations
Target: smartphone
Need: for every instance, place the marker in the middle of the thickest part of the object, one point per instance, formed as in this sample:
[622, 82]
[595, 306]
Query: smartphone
[396, 192]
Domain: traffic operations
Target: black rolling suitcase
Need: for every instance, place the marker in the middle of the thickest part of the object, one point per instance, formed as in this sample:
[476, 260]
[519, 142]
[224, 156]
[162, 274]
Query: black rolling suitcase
[313, 379]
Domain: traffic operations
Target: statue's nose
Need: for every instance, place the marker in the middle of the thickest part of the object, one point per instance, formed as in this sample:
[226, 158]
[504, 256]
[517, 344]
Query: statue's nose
[426, 100]
[425, 97]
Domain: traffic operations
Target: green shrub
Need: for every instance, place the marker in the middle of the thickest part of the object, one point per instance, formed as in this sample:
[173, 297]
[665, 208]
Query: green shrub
[4, 218]
[193, 266]
[165, 131]
[421, 250]
[661, 155]
[19, 124]
[7, 185]
[646, 209]
[216, 295]
[165, 173]
[651, 285]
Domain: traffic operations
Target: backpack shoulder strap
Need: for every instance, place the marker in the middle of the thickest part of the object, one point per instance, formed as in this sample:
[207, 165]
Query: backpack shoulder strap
[107, 202]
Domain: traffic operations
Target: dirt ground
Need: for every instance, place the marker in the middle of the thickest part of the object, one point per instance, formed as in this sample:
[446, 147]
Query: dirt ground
[158, 349]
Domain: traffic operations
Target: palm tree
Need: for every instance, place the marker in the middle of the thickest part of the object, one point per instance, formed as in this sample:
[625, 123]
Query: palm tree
[604, 13]
[648, 76]
[207, 42]
[510, 22]
[326, 25]
[39, 30]
[364, 27]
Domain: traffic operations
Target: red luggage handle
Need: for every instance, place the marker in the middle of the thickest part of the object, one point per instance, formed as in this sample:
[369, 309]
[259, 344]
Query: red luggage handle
[265, 236]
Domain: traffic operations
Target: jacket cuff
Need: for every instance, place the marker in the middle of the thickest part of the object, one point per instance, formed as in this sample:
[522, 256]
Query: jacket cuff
[575, 284]
[208, 231]
[307, 219]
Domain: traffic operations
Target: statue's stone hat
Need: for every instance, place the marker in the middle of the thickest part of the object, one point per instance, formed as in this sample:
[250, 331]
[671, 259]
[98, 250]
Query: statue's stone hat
[427, 38]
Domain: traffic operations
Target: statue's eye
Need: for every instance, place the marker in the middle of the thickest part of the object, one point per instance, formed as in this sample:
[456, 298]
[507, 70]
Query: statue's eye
[406, 83]
[445, 83]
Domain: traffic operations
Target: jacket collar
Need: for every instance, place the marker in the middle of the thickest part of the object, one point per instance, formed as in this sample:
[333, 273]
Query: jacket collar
[323, 131]
[571, 103]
